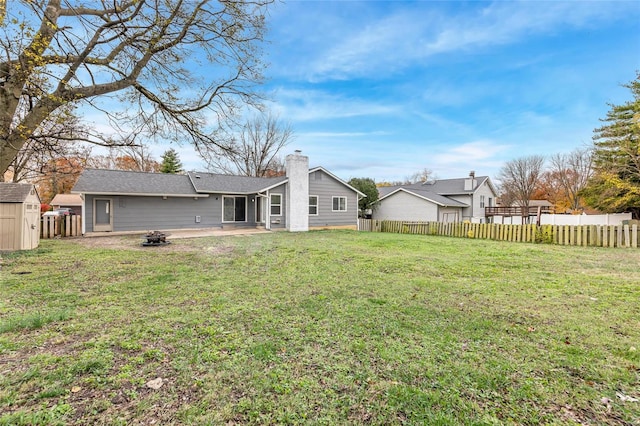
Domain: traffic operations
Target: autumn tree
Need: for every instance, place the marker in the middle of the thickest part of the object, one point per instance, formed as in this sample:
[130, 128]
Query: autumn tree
[179, 68]
[368, 187]
[569, 174]
[253, 149]
[171, 162]
[615, 185]
[59, 176]
[519, 179]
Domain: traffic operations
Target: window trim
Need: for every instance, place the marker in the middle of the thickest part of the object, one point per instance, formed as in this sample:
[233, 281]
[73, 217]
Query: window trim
[272, 204]
[316, 205]
[333, 204]
[246, 213]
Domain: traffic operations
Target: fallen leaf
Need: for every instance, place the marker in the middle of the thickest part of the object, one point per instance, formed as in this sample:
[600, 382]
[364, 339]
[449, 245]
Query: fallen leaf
[626, 398]
[155, 383]
[76, 389]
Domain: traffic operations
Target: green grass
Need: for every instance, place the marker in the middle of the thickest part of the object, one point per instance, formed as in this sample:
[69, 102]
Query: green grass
[322, 328]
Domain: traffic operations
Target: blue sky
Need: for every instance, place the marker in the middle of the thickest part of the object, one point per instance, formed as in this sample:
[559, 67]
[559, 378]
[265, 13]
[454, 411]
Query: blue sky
[384, 89]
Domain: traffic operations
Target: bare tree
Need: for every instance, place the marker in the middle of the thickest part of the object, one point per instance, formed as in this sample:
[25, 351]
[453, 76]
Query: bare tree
[571, 172]
[519, 179]
[57, 53]
[254, 149]
[55, 140]
[420, 176]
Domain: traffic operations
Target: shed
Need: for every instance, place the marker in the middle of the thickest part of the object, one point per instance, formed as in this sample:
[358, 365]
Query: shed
[19, 216]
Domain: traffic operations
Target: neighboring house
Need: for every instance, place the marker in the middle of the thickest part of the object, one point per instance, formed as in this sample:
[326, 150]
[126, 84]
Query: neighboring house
[70, 201]
[19, 216]
[134, 201]
[442, 200]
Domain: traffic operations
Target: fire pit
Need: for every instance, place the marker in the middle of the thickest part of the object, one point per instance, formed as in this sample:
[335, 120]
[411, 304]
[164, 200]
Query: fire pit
[155, 238]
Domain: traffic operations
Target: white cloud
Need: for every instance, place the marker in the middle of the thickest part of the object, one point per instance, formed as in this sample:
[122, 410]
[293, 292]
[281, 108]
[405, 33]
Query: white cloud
[410, 35]
[309, 105]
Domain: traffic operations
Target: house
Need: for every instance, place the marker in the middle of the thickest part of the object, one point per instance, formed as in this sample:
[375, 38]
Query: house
[303, 199]
[19, 216]
[70, 201]
[442, 200]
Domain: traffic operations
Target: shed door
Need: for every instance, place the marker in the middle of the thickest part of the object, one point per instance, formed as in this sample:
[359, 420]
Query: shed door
[102, 215]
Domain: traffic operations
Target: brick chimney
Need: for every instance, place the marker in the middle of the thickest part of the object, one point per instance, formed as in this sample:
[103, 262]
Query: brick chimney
[297, 202]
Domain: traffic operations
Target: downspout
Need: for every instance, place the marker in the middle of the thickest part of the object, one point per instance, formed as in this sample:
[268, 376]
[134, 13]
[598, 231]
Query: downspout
[267, 216]
[264, 208]
[84, 215]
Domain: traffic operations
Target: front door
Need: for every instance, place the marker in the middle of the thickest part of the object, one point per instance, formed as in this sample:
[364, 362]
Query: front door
[102, 215]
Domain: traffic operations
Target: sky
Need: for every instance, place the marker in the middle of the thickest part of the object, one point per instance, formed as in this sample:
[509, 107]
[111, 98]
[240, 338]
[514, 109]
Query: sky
[384, 89]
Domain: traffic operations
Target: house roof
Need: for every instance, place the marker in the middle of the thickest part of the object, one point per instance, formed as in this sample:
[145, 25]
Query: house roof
[427, 195]
[118, 182]
[440, 187]
[66, 200]
[225, 184]
[15, 192]
[454, 186]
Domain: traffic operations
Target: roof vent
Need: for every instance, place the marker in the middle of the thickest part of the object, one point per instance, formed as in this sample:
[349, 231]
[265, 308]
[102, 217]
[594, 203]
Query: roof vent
[197, 176]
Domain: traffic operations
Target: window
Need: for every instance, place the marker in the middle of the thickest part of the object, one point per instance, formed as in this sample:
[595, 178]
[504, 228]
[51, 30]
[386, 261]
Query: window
[313, 205]
[276, 204]
[482, 201]
[234, 209]
[490, 202]
[339, 204]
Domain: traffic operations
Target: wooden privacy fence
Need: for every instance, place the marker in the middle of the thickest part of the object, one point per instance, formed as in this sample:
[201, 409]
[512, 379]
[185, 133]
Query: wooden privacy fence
[581, 235]
[60, 226]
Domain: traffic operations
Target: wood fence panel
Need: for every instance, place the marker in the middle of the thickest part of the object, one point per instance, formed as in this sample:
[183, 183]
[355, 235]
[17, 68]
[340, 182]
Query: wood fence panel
[581, 235]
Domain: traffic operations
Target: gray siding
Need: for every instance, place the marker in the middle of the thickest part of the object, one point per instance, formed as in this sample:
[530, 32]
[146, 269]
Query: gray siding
[131, 213]
[326, 187]
[279, 222]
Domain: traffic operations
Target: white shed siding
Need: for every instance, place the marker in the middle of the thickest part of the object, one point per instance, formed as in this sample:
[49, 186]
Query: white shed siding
[403, 206]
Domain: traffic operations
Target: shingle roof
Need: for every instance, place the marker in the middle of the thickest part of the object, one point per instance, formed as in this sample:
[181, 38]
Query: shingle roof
[95, 181]
[66, 200]
[431, 196]
[14, 192]
[230, 184]
[452, 186]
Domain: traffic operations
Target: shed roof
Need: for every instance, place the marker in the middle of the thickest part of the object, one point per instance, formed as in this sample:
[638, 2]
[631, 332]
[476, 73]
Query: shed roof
[94, 181]
[15, 192]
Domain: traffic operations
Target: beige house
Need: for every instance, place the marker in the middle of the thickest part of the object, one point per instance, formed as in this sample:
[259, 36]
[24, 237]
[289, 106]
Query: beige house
[71, 201]
[19, 217]
[442, 200]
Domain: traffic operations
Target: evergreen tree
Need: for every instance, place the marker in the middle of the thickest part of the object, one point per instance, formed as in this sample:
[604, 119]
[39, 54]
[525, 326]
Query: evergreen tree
[170, 162]
[615, 186]
[368, 187]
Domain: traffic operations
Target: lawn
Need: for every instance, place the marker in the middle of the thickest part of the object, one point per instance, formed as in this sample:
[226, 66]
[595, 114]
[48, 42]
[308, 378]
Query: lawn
[330, 327]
